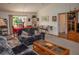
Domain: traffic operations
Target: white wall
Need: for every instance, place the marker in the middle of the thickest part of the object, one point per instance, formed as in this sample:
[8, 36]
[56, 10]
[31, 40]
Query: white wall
[6, 15]
[53, 10]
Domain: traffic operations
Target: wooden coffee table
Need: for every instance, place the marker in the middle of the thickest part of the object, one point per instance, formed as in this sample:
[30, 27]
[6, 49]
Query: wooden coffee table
[44, 47]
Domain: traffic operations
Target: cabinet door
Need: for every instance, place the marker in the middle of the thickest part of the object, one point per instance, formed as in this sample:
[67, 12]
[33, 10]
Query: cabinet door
[71, 26]
[77, 37]
[72, 36]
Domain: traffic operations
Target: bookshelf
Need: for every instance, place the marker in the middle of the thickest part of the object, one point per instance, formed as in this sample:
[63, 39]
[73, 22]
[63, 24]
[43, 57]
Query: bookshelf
[3, 27]
[73, 26]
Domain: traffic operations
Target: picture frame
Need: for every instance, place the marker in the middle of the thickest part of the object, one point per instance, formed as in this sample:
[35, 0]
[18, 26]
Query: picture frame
[54, 18]
[45, 18]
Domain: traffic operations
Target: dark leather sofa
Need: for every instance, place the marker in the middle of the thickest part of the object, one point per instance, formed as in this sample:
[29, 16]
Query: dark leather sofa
[30, 39]
[31, 36]
[23, 50]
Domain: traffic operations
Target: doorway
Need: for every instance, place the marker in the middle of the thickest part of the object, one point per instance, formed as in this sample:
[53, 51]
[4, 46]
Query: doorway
[62, 25]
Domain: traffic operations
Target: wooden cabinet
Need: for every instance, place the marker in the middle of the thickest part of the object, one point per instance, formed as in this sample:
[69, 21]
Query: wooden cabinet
[73, 26]
[3, 27]
[77, 37]
[72, 36]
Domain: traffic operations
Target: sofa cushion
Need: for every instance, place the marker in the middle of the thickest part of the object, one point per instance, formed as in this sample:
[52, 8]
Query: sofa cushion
[19, 49]
[1, 49]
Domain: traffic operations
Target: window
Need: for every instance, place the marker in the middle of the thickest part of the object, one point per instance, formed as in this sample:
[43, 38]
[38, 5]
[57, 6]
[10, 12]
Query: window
[19, 21]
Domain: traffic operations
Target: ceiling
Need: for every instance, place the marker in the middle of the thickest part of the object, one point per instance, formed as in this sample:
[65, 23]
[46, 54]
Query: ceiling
[22, 7]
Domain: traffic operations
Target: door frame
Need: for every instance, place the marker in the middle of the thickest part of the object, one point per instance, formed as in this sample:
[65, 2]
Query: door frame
[59, 21]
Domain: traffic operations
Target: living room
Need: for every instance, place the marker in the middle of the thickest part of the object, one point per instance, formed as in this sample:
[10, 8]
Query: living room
[39, 28]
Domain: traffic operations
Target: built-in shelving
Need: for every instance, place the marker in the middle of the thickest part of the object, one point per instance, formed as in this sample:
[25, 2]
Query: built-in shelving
[3, 27]
[73, 26]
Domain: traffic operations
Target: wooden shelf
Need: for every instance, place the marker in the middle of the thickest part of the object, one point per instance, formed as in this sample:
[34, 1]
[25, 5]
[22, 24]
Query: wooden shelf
[73, 34]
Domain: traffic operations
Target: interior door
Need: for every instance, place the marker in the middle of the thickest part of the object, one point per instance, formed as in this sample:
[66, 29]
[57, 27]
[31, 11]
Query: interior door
[63, 23]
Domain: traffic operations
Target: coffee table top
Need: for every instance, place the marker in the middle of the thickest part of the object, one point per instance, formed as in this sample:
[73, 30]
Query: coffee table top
[53, 47]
